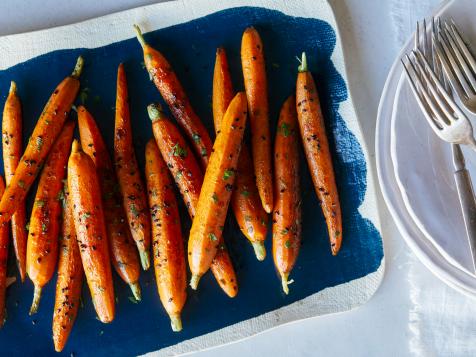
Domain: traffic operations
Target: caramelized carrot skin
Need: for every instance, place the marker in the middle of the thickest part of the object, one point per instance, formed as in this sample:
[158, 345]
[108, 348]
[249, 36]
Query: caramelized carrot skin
[174, 95]
[42, 246]
[4, 238]
[12, 150]
[70, 279]
[167, 241]
[123, 251]
[223, 271]
[128, 174]
[287, 207]
[88, 215]
[222, 88]
[254, 75]
[319, 160]
[216, 191]
[46, 131]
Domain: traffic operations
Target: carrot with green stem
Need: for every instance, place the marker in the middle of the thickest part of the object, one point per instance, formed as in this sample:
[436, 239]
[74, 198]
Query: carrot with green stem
[47, 129]
[42, 245]
[189, 179]
[287, 194]
[70, 278]
[123, 251]
[256, 86]
[91, 234]
[167, 242]
[245, 200]
[12, 139]
[169, 86]
[4, 241]
[130, 183]
[318, 155]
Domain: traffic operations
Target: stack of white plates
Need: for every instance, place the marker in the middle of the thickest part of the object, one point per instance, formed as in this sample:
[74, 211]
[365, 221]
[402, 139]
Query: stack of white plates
[416, 172]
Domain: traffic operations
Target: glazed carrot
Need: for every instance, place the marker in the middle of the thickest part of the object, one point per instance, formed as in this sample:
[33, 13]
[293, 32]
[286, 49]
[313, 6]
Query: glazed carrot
[90, 227]
[316, 148]
[130, 183]
[42, 245]
[287, 204]
[166, 81]
[12, 149]
[4, 238]
[245, 201]
[189, 179]
[122, 247]
[216, 191]
[46, 131]
[167, 241]
[254, 75]
[70, 278]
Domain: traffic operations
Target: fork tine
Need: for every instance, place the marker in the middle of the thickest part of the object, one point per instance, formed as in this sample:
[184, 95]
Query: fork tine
[417, 35]
[464, 48]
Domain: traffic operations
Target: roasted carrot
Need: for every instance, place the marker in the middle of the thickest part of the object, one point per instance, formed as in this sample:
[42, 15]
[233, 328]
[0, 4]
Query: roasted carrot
[318, 155]
[122, 247]
[212, 206]
[12, 149]
[169, 86]
[4, 238]
[245, 201]
[91, 234]
[287, 204]
[130, 183]
[42, 245]
[256, 87]
[46, 131]
[167, 241]
[70, 278]
[189, 179]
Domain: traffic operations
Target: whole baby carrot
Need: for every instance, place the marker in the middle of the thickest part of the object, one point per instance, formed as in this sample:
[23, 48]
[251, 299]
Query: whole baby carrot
[90, 227]
[47, 129]
[189, 179]
[130, 183]
[70, 278]
[167, 241]
[245, 201]
[318, 155]
[42, 245]
[287, 195]
[169, 86]
[12, 149]
[212, 206]
[4, 238]
[123, 251]
[254, 75]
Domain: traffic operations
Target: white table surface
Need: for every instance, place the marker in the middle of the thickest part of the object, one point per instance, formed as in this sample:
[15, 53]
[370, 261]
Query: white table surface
[386, 325]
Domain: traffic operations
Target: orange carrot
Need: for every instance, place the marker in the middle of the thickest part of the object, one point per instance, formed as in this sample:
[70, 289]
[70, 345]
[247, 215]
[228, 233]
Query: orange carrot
[12, 150]
[44, 135]
[245, 201]
[287, 204]
[123, 251]
[254, 75]
[169, 86]
[4, 238]
[189, 179]
[316, 148]
[216, 191]
[130, 183]
[70, 279]
[90, 227]
[168, 250]
[42, 245]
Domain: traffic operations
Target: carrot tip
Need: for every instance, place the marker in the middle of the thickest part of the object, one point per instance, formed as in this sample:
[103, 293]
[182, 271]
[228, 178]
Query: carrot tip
[155, 111]
[76, 147]
[145, 260]
[13, 87]
[135, 287]
[139, 36]
[303, 66]
[176, 322]
[36, 300]
[260, 250]
[78, 68]
[194, 281]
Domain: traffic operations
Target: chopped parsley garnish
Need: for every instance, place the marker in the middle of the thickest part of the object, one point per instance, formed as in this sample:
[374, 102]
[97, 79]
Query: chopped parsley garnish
[179, 151]
[245, 193]
[287, 244]
[40, 203]
[228, 173]
[134, 211]
[285, 129]
[196, 137]
[285, 231]
[215, 197]
[212, 237]
[21, 183]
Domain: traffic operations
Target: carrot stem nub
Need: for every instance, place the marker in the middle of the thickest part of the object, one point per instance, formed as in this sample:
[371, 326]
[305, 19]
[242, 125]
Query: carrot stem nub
[13, 87]
[176, 322]
[155, 111]
[36, 300]
[303, 66]
[194, 281]
[139, 36]
[78, 68]
[135, 287]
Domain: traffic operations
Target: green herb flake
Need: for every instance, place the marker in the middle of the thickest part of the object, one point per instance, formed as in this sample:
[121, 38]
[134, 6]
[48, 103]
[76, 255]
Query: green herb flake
[212, 237]
[203, 152]
[21, 183]
[337, 233]
[134, 211]
[179, 175]
[245, 193]
[284, 231]
[215, 197]
[196, 137]
[287, 244]
[179, 151]
[60, 195]
[86, 215]
[285, 129]
[27, 226]
[228, 173]
[39, 143]
[44, 227]
[40, 203]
